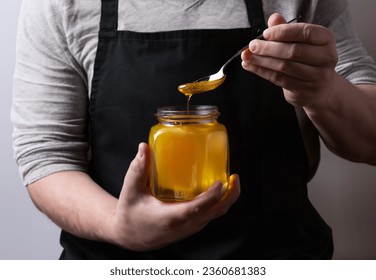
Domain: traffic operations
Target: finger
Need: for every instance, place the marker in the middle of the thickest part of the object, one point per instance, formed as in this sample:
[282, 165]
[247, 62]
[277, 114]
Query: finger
[136, 177]
[187, 217]
[300, 71]
[307, 54]
[196, 208]
[225, 199]
[207, 199]
[282, 80]
[234, 188]
[276, 19]
[278, 78]
[299, 32]
[209, 205]
[228, 199]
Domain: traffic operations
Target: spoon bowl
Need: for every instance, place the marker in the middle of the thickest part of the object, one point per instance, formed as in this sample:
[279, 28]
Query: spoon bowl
[202, 85]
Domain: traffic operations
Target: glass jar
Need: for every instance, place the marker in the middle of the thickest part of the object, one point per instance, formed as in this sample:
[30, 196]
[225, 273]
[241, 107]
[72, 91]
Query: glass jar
[189, 152]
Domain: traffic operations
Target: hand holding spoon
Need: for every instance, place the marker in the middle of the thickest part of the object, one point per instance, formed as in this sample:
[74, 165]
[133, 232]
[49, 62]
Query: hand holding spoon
[213, 81]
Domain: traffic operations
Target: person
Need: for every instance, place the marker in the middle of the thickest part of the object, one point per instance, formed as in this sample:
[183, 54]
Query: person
[90, 75]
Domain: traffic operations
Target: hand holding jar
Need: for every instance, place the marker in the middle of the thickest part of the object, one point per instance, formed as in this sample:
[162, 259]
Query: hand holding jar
[142, 222]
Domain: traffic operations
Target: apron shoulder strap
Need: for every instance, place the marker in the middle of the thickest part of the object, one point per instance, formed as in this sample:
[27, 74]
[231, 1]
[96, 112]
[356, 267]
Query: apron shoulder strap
[109, 15]
[255, 15]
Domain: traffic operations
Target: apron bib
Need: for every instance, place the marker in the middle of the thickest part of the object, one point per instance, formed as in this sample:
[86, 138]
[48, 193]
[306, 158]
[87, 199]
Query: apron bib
[135, 73]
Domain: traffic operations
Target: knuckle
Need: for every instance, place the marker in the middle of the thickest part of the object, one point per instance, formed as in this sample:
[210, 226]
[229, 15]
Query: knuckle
[171, 223]
[264, 47]
[283, 67]
[294, 52]
[276, 78]
[333, 60]
[192, 213]
[306, 32]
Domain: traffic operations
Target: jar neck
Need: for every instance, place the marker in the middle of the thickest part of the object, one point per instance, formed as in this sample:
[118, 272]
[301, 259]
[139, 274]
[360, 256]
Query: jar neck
[179, 115]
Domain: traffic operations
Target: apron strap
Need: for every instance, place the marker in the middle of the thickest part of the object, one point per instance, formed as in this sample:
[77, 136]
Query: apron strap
[109, 15]
[255, 15]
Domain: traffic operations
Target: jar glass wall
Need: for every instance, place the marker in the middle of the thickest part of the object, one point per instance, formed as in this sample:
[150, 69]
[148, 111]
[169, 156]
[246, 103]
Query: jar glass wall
[189, 152]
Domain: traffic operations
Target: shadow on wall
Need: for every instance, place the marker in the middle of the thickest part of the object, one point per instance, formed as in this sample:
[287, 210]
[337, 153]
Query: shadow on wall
[344, 193]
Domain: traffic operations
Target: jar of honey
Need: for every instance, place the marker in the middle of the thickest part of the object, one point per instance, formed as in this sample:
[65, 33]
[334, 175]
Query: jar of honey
[189, 152]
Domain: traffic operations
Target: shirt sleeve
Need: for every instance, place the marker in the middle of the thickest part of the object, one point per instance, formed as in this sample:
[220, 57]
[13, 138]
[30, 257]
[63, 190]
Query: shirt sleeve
[354, 63]
[50, 95]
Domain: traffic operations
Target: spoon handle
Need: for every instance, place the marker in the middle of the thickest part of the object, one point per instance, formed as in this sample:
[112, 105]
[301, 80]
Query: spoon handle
[260, 37]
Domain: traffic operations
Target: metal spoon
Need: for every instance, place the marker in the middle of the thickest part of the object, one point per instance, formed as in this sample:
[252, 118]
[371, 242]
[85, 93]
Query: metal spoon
[213, 81]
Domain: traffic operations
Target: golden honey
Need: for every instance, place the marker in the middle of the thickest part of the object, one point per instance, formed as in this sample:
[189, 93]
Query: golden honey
[190, 89]
[200, 86]
[189, 152]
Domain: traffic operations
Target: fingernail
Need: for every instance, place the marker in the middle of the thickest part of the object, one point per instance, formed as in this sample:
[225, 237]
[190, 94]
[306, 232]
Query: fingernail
[252, 46]
[234, 180]
[266, 34]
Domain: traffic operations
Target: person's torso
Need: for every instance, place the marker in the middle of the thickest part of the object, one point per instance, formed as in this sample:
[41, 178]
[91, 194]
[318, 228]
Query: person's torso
[137, 72]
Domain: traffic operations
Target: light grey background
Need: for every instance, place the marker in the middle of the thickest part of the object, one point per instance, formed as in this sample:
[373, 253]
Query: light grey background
[343, 192]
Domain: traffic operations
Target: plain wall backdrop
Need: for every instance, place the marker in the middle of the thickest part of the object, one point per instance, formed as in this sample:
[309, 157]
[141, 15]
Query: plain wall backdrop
[343, 192]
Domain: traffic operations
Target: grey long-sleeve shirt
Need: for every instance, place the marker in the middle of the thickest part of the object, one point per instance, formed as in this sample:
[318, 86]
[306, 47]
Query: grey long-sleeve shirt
[56, 48]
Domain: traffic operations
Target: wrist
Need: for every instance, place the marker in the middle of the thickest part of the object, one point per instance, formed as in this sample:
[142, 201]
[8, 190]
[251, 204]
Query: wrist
[113, 228]
[325, 99]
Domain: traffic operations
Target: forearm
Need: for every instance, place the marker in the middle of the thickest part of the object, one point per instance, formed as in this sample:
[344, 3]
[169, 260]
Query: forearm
[346, 120]
[137, 220]
[75, 203]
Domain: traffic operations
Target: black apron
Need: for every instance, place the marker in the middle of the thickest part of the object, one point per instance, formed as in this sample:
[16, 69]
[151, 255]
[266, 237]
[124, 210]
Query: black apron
[135, 73]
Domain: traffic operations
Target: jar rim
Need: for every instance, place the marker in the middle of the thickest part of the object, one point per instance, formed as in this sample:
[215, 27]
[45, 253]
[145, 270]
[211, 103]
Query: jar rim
[180, 114]
[200, 110]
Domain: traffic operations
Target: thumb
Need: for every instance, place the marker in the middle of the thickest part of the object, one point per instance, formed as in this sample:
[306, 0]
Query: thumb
[137, 175]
